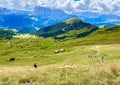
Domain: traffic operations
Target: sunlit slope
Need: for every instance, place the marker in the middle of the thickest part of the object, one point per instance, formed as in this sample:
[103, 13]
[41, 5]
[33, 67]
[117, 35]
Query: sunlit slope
[101, 36]
[40, 50]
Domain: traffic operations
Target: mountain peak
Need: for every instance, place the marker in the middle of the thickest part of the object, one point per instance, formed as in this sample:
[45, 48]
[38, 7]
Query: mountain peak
[73, 20]
[72, 27]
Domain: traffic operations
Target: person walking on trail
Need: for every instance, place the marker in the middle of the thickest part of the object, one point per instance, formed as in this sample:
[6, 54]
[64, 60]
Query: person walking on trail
[35, 65]
[102, 59]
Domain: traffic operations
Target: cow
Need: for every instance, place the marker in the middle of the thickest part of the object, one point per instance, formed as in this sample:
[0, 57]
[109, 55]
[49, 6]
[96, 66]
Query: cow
[11, 59]
[56, 51]
[62, 50]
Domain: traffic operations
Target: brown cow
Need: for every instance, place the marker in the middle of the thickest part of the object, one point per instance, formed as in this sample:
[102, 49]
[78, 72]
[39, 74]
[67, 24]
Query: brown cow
[11, 59]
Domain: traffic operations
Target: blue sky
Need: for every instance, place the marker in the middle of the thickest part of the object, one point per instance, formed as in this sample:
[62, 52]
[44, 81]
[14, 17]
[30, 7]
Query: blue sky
[69, 6]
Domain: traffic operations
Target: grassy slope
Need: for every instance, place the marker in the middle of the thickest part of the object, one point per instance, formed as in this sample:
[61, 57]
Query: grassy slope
[101, 36]
[64, 28]
[71, 67]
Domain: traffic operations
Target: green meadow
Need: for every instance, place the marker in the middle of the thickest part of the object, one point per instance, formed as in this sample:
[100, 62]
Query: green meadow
[90, 60]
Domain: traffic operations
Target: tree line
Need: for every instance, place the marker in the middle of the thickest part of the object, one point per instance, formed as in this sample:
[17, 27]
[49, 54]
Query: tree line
[6, 34]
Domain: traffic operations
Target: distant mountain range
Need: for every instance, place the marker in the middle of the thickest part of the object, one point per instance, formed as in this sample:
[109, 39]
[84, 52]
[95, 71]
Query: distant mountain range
[41, 17]
[29, 21]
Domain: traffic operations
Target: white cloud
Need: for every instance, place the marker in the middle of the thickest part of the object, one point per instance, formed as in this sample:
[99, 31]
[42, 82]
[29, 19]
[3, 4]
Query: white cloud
[101, 6]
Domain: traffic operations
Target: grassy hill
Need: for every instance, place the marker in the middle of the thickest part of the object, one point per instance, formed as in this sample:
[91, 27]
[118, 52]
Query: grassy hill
[71, 67]
[100, 36]
[72, 28]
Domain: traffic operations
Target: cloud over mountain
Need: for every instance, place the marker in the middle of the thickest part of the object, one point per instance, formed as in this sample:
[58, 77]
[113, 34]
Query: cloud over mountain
[69, 6]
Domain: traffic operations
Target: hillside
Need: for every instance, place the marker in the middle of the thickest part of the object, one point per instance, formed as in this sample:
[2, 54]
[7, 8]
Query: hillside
[75, 26]
[43, 48]
[109, 35]
[73, 66]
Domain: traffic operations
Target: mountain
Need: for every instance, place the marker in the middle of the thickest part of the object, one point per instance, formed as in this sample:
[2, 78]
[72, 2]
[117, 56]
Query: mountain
[50, 13]
[39, 18]
[15, 21]
[48, 16]
[106, 20]
[4, 11]
[42, 17]
[73, 27]
[98, 19]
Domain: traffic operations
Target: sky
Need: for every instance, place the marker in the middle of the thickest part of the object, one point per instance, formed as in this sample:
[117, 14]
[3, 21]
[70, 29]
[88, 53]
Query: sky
[68, 6]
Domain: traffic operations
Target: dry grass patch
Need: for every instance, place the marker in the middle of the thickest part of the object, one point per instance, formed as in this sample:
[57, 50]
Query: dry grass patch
[63, 75]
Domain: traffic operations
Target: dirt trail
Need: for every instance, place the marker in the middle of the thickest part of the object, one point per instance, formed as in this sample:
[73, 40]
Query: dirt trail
[61, 66]
[17, 69]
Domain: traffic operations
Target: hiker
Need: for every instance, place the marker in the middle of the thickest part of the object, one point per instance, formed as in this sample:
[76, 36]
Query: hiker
[102, 58]
[35, 65]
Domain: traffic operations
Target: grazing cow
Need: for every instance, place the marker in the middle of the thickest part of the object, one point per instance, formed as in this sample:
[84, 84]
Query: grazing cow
[34, 56]
[95, 56]
[62, 50]
[35, 65]
[56, 51]
[9, 43]
[11, 59]
[89, 56]
[27, 52]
